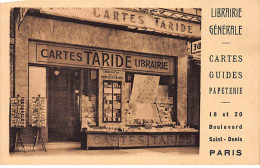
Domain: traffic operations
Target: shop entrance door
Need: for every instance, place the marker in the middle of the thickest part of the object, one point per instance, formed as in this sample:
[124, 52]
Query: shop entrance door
[63, 113]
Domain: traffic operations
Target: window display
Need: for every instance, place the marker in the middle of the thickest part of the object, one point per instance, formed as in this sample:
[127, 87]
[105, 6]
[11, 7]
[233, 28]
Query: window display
[39, 111]
[164, 106]
[18, 112]
[141, 102]
[88, 111]
[112, 101]
[149, 103]
[89, 99]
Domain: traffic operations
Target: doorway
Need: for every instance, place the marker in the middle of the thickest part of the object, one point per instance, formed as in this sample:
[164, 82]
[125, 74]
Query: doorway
[64, 89]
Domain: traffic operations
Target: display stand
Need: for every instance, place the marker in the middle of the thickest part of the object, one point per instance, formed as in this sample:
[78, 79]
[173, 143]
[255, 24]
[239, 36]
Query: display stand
[39, 139]
[18, 119]
[18, 139]
[39, 119]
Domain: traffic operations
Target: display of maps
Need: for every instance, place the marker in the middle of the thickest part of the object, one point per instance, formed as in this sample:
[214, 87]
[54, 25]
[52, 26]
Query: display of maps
[145, 88]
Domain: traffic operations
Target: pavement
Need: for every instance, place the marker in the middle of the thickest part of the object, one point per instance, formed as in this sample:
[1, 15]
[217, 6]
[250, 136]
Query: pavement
[73, 148]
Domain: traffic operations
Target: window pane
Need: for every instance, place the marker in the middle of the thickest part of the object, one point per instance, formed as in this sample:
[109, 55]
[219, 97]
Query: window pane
[37, 85]
[112, 101]
[161, 111]
[89, 99]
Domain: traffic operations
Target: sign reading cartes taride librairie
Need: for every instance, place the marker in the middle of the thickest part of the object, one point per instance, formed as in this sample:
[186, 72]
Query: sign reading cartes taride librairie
[65, 55]
[129, 18]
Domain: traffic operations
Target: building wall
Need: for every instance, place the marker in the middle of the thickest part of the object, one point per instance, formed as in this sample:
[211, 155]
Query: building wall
[86, 35]
[193, 94]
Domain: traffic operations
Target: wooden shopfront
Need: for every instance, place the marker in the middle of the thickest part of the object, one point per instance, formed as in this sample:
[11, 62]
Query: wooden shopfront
[76, 73]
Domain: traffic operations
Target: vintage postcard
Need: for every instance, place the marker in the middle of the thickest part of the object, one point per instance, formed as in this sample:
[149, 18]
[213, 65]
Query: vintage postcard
[130, 82]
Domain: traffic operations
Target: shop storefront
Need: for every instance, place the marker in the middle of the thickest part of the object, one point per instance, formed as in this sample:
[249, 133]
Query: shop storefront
[101, 82]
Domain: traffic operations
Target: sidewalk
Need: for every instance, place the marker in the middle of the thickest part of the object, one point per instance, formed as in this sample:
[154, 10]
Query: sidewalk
[73, 148]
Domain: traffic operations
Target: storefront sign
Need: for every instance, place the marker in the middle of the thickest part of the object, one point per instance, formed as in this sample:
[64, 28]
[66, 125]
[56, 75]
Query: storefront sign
[94, 58]
[140, 140]
[111, 75]
[129, 18]
[196, 47]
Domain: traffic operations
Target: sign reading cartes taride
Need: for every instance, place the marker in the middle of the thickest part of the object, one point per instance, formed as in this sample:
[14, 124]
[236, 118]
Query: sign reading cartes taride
[53, 54]
[131, 19]
[99, 140]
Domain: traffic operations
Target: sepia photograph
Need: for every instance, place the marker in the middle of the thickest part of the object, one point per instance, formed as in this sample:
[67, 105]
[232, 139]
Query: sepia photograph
[98, 80]
[128, 83]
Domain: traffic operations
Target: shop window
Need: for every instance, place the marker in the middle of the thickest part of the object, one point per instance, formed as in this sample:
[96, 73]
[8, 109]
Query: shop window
[149, 99]
[37, 88]
[89, 98]
[112, 101]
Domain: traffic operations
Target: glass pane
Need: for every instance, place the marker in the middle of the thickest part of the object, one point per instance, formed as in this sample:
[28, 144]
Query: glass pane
[117, 101]
[89, 99]
[37, 86]
[112, 101]
[108, 101]
[163, 108]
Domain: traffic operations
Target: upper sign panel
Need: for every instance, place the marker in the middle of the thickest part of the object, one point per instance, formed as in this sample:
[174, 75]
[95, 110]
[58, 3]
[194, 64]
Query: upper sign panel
[147, 22]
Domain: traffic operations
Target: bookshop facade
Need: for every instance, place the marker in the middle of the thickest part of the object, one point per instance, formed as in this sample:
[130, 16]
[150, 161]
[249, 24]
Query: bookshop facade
[101, 82]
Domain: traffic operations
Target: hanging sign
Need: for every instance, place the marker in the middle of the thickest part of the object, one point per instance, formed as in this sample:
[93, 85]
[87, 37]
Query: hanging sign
[44, 53]
[196, 47]
[111, 75]
[129, 18]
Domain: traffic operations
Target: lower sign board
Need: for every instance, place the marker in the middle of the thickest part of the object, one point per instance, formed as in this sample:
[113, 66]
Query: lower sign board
[140, 140]
[96, 140]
